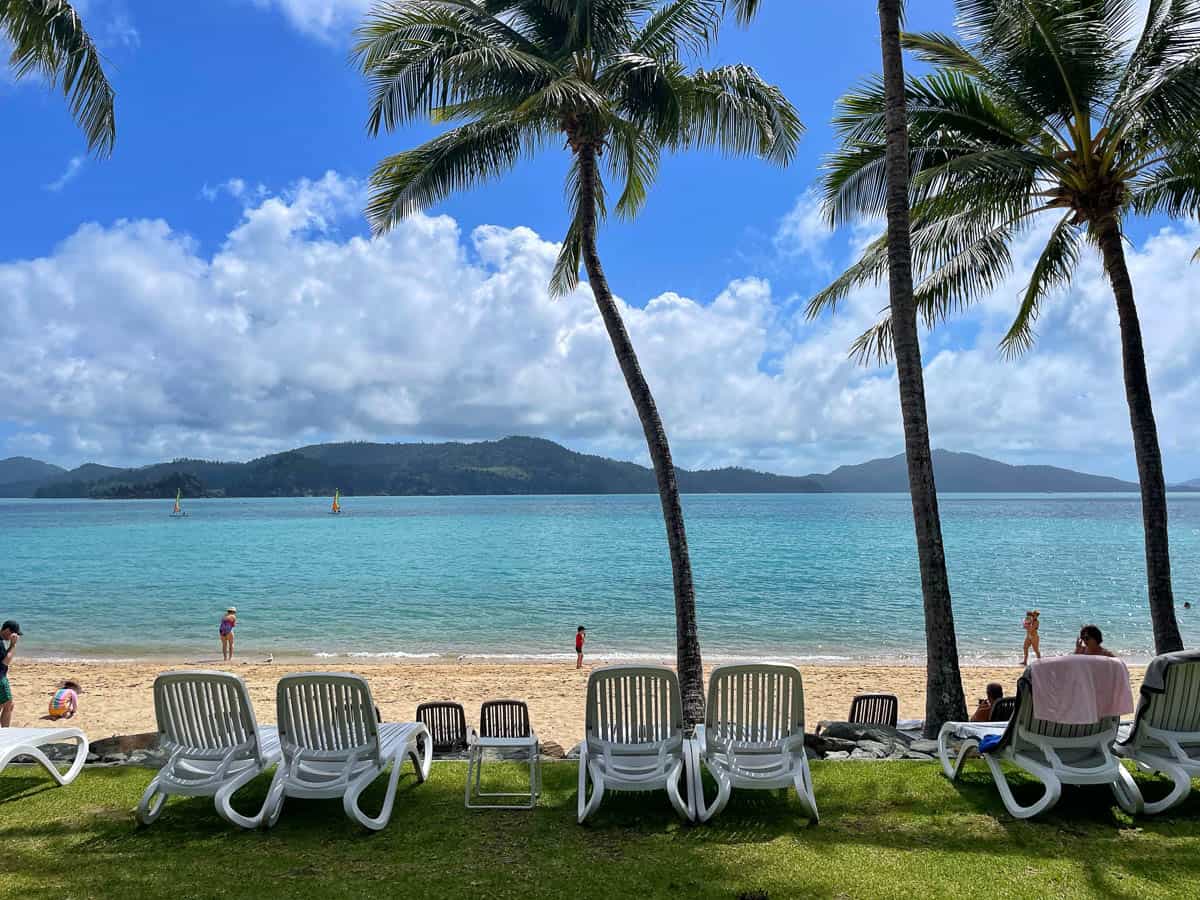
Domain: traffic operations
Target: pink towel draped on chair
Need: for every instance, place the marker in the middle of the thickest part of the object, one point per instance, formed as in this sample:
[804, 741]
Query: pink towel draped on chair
[1080, 690]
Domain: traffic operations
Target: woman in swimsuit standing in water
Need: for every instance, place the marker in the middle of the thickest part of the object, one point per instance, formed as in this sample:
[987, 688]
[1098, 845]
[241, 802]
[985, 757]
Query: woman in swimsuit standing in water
[228, 623]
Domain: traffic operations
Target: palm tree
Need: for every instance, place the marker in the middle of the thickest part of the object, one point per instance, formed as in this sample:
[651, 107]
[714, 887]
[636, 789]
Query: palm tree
[943, 681]
[1047, 109]
[608, 79]
[48, 38]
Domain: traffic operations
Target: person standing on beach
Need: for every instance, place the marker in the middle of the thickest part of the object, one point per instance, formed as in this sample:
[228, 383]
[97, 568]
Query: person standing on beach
[1032, 639]
[10, 631]
[580, 637]
[228, 623]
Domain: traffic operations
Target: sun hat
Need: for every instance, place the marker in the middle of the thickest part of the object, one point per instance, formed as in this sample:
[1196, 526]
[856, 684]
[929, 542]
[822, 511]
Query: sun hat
[12, 626]
[231, 609]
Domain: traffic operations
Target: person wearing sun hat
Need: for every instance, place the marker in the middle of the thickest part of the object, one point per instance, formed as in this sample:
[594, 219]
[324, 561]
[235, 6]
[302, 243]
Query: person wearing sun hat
[10, 631]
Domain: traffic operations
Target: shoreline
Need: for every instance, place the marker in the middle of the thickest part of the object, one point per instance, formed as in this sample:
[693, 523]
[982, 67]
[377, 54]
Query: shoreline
[118, 697]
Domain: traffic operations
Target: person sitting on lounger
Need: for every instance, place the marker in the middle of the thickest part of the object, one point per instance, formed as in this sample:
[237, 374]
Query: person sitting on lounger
[1089, 641]
[983, 713]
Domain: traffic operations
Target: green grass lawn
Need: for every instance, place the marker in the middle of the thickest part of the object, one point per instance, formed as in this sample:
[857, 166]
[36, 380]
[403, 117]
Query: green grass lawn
[887, 830]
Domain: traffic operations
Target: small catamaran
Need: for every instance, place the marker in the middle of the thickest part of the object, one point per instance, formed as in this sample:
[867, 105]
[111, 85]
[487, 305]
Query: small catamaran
[177, 512]
[336, 509]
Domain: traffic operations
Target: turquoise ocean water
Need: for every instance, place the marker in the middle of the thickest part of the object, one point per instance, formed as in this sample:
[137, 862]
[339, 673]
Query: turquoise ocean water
[814, 576]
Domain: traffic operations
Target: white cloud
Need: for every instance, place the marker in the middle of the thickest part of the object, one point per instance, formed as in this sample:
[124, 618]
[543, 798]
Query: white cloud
[803, 232]
[325, 19]
[128, 345]
[70, 173]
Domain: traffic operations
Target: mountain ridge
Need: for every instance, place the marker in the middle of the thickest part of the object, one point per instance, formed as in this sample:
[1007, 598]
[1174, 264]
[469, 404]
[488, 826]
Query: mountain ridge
[514, 465]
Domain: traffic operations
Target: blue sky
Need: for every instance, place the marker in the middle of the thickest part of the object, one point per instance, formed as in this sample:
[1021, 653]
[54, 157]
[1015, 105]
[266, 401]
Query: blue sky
[241, 139]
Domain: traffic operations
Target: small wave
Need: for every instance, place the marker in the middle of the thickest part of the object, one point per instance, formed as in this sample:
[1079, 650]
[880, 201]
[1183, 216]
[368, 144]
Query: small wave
[384, 654]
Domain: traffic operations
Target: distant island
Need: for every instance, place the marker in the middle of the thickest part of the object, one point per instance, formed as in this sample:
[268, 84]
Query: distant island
[513, 465]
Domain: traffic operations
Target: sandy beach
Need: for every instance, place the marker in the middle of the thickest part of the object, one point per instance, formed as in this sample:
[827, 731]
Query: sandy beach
[117, 696]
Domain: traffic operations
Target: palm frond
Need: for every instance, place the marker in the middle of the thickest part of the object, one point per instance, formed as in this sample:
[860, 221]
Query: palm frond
[1171, 187]
[48, 37]
[874, 346]
[1055, 266]
[733, 109]
[565, 277]
[633, 157]
[414, 180]
[690, 25]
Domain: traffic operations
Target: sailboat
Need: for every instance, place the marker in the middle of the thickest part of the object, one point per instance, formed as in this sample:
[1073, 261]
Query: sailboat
[178, 512]
[336, 509]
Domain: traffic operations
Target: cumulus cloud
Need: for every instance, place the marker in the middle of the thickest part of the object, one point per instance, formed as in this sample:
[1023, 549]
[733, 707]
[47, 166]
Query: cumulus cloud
[320, 18]
[127, 344]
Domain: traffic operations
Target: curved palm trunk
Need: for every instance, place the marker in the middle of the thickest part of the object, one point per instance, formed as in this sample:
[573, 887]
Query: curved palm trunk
[1145, 442]
[943, 682]
[687, 643]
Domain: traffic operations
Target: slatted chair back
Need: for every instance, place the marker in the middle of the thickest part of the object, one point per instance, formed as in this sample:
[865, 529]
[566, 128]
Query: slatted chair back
[327, 716]
[755, 704]
[204, 713]
[632, 705]
[874, 709]
[1177, 709]
[447, 724]
[1003, 708]
[504, 719]
[1028, 724]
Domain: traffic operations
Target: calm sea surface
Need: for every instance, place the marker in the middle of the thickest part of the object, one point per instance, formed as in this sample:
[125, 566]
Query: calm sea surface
[814, 576]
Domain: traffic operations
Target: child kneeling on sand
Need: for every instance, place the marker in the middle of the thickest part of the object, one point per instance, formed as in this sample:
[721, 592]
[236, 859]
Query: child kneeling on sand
[64, 703]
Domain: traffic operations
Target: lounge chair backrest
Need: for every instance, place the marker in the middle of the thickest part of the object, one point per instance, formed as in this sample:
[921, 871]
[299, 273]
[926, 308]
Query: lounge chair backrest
[447, 724]
[504, 719]
[1177, 708]
[327, 715]
[755, 703]
[1057, 730]
[633, 705]
[1003, 708]
[204, 711]
[874, 709]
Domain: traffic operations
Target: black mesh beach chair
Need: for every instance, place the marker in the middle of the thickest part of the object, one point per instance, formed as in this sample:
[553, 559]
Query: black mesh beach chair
[874, 709]
[447, 723]
[1002, 709]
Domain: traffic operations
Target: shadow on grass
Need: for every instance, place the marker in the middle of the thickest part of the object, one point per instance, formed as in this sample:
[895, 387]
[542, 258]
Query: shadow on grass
[886, 830]
[18, 787]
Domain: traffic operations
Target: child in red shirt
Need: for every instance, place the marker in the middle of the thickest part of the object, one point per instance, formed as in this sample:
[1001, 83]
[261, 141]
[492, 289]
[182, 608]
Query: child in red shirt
[579, 639]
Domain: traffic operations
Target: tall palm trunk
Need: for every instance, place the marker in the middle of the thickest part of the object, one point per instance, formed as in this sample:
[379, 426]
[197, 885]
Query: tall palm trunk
[1145, 441]
[687, 643]
[943, 682]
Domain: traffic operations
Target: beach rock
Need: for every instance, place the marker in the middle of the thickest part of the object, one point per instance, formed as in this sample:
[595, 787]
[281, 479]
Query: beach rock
[879, 733]
[823, 744]
[124, 744]
[837, 754]
[552, 750]
[923, 746]
[573, 753]
[879, 748]
[912, 754]
[859, 753]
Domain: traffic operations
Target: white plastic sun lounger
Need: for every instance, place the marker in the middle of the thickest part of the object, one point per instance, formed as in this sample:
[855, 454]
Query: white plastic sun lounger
[206, 723]
[29, 742]
[1165, 734]
[633, 736]
[333, 747]
[753, 735]
[1052, 752]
